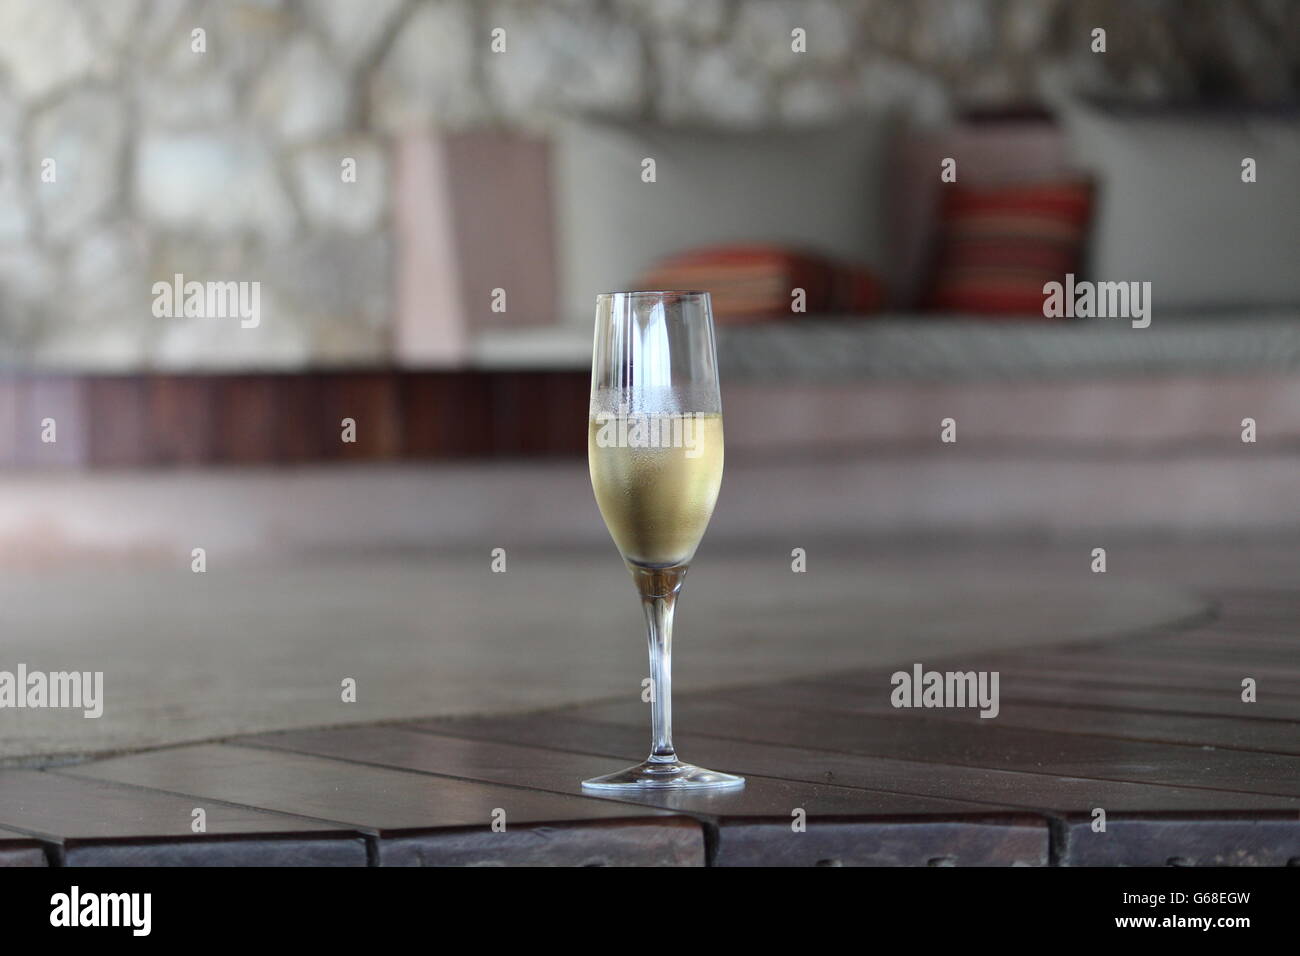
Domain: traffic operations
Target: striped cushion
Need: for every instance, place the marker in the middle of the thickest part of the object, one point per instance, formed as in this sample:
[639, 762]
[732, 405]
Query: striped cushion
[998, 245]
[750, 282]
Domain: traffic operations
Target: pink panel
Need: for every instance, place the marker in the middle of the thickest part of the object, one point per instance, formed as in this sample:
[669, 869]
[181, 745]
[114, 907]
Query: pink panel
[501, 203]
[430, 327]
[472, 214]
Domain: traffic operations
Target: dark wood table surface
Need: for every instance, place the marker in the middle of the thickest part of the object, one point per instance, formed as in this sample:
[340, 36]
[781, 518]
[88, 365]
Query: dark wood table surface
[1149, 729]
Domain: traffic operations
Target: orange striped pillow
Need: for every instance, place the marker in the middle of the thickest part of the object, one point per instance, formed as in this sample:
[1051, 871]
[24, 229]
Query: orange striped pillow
[752, 282]
[998, 245]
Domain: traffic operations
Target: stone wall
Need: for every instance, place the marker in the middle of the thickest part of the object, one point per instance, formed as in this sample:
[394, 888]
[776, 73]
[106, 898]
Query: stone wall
[226, 163]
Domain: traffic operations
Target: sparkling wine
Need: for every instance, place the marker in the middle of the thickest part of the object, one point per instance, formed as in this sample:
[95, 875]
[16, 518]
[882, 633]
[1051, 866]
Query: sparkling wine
[657, 501]
[654, 446]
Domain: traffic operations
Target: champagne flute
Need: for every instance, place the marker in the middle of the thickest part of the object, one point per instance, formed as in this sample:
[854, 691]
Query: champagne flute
[654, 446]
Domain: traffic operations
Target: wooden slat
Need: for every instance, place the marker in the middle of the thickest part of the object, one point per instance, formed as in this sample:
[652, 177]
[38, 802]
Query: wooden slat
[19, 849]
[1173, 672]
[245, 426]
[1182, 840]
[854, 826]
[1206, 678]
[116, 421]
[1281, 710]
[298, 436]
[1280, 637]
[1151, 813]
[1051, 793]
[446, 415]
[632, 841]
[517, 418]
[370, 400]
[1277, 628]
[1060, 716]
[568, 405]
[934, 841]
[560, 772]
[905, 734]
[419, 820]
[1052, 707]
[1154, 653]
[539, 414]
[251, 418]
[1243, 603]
[179, 413]
[100, 824]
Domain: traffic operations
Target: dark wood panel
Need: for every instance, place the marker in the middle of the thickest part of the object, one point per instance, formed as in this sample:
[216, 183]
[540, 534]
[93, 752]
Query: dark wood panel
[370, 400]
[540, 414]
[1201, 840]
[516, 412]
[98, 823]
[1060, 715]
[862, 826]
[1016, 841]
[1246, 603]
[298, 435]
[1278, 709]
[1272, 627]
[1205, 649]
[568, 405]
[180, 414]
[1052, 793]
[245, 428]
[909, 734]
[1188, 671]
[1212, 679]
[318, 849]
[446, 415]
[307, 849]
[1279, 637]
[117, 421]
[1270, 652]
[667, 841]
[1152, 813]
[561, 772]
[406, 810]
[872, 689]
[249, 418]
[19, 849]
[1153, 653]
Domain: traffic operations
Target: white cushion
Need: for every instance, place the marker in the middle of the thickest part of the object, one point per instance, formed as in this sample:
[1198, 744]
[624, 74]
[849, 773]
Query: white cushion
[821, 189]
[1174, 211]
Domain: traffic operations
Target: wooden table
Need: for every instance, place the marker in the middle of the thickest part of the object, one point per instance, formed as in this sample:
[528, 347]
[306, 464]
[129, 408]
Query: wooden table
[1149, 728]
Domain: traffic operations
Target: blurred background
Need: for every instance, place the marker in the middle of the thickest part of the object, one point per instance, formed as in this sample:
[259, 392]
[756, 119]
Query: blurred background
[427, 195]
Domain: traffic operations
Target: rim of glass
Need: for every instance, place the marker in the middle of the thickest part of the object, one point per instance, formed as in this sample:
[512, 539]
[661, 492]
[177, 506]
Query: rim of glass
[659, 292]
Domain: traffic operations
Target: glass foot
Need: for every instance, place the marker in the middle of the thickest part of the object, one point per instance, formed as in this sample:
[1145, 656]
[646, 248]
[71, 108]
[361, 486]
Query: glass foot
[664, 775]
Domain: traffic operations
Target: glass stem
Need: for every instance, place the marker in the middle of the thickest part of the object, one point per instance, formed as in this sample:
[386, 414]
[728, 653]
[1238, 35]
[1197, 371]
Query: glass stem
[659, 588]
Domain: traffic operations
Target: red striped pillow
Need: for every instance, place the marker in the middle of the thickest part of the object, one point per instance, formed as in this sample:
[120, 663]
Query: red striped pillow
[752, 282]
[998, 245]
